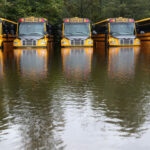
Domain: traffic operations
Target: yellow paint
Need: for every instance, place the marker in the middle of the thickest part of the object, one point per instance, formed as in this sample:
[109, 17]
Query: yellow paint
[142, 20]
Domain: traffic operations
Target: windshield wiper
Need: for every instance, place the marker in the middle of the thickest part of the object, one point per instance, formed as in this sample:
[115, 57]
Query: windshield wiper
[22, 34]
[116, 33]
[128, 33]
[35, 34]
[82, 33]
[68, 34]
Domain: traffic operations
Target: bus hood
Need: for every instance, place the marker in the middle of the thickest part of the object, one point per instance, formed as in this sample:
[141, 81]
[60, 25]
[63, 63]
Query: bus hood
[30, 37]
[77, 37]
[124, 36]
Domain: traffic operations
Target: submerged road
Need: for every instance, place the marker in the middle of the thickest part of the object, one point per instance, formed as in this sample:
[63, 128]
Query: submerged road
[75, 99]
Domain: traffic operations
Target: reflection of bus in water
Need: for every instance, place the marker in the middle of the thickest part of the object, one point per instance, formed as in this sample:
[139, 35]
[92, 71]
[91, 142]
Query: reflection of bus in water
[33, 32]
[143, 28]
[122, 61]
[77, 62]
[1, 64]
[32, 63]
[76, 32]
[115, 32]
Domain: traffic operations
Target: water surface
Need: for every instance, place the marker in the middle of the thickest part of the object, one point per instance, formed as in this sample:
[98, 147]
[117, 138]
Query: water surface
[75, 99]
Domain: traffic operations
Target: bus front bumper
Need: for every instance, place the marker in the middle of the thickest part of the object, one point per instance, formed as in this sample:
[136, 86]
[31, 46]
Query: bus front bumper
[26, 47]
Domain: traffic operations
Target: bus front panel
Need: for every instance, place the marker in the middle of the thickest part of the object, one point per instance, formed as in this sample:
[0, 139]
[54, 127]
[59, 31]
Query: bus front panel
[122, 34]
[76, 34]
[32, 34]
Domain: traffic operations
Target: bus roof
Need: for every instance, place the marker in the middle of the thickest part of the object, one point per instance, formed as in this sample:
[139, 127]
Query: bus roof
[118, 20]
[76, 20]
[143, 20]
[106, 20]
[8, 20]
[32, 19]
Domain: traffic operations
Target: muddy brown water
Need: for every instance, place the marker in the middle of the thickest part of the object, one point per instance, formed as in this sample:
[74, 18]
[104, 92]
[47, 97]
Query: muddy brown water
[75, 99]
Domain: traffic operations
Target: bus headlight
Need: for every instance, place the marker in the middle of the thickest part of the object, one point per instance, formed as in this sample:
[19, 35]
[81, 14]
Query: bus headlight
[113, 41]
[90, 42]
[16, 43]
[64, 41]
[42, 42]
[137, 41]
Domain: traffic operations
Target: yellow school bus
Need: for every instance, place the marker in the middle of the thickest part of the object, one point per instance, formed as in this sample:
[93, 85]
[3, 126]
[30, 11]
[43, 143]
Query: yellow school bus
[143, 29]
[33, 32]
[76, 32]
[115, 32]
[8, 30]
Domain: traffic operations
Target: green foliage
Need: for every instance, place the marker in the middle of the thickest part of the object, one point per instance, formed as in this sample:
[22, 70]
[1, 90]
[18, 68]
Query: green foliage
[56, 10]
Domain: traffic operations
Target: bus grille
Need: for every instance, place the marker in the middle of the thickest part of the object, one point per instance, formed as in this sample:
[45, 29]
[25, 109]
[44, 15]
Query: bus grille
[126, 41]
[29, 42]
[77, 42]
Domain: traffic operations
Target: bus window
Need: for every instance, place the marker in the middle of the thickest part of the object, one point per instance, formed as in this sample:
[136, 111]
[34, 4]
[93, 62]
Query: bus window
[122, 28]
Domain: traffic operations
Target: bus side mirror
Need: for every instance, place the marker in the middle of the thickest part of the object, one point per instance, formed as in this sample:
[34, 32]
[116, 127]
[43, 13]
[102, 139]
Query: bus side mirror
[94, 32]
[142, 32]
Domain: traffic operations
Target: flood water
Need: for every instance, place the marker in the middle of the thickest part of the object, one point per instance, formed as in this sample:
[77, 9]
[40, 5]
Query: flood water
[75, 99]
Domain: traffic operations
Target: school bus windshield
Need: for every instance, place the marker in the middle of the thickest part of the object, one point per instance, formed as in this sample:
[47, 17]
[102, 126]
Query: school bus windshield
[27, 28]
[76, 29]
[122, 28]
